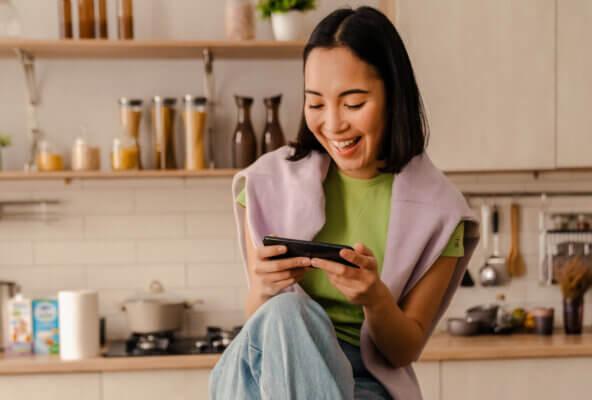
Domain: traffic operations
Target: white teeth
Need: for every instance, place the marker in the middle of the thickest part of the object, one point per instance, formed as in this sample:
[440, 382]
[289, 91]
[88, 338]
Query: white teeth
[342, 143]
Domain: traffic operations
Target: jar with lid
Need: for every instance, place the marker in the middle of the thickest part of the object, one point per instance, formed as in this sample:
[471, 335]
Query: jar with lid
[86, 19]
[130, 111]
[163, 122]
[239, 20]
[85, 157]
[582, 224]
[124, 154]
[194, 117]
[48, 158]
[65, 18]
[125, 19]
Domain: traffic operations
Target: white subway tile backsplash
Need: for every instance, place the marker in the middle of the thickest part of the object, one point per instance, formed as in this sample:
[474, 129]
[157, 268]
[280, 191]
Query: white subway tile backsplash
[211, 251]
[212, 225]
[212, 299]
[39, 185]
[13, 196]
[49, 279]
[132, 184]
[58, 227]
[16, 252]
[135, 227]
[161, 201]
[161, 251]
[135, 276]
[98, 202]
[94, 252]
[112, 300]
[218, 275]
[116, 236]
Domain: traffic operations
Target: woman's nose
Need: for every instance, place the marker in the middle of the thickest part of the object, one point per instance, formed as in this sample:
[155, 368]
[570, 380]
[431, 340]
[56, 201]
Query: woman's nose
[334, 122]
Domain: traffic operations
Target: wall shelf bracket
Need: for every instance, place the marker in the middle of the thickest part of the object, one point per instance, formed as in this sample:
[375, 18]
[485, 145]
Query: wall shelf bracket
[210, 91]
[27, 60]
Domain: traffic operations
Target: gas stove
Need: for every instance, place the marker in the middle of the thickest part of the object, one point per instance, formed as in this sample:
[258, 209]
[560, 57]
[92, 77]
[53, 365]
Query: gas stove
[214, 341]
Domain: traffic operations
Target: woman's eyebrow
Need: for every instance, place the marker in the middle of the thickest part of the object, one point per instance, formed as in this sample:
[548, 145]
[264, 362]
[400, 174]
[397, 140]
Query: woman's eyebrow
[342, 94]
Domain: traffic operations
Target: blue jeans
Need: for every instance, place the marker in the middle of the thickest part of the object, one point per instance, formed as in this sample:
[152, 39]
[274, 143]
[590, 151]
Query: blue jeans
[288, 350]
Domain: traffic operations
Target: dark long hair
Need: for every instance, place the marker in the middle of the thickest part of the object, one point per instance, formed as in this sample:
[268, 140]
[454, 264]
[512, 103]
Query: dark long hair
[372, 37]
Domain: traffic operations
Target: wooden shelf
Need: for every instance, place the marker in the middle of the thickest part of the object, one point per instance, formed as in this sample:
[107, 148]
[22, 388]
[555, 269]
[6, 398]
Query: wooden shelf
[96, 48]
[70, 175]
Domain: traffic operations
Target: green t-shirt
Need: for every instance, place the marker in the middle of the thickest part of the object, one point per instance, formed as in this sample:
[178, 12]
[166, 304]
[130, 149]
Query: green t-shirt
[356, 210]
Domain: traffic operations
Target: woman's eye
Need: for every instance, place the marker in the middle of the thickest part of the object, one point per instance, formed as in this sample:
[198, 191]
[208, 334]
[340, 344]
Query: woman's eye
[355, 106]
[315, 106]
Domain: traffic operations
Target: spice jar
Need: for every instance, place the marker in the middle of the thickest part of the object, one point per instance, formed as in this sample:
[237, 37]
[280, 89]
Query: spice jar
[47, 158]
[239, 20]
[86, 19]
[65, 16]
[124, 154]
[163, 123]
[130, 111]
[194, 117]
[85, 157]
[543, 320]
[125, 19]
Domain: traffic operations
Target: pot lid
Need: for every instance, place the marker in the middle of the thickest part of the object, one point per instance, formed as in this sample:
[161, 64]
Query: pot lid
[156, 294]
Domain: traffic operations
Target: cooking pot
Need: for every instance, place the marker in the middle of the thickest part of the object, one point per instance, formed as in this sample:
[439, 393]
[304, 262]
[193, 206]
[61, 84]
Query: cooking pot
[485, 315]
[155, 311]
[462, 327]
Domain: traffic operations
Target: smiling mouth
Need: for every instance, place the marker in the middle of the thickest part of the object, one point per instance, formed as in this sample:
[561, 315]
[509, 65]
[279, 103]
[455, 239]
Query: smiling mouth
[342, 145]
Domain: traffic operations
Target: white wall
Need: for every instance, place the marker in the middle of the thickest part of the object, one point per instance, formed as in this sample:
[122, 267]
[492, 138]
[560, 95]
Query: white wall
[85, 92]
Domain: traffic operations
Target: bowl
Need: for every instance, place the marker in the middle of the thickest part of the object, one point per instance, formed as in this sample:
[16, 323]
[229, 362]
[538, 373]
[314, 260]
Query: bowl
[462, 327]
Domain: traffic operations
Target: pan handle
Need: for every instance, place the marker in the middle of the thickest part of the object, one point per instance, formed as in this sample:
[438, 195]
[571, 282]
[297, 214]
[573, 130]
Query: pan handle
[485, 221]
[495, 220]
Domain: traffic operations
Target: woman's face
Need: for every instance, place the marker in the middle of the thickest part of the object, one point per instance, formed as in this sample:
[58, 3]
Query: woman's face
[345, 109]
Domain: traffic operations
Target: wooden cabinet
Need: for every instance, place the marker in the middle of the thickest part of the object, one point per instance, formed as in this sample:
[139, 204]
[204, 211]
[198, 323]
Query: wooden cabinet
[486, 70]
[156, 385]
[541, 379]
[428, 375]
[574, 83]
[51, 387]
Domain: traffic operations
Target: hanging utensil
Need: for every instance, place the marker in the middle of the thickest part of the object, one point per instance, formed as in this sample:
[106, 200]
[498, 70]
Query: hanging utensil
[515, 262]
[492, 273]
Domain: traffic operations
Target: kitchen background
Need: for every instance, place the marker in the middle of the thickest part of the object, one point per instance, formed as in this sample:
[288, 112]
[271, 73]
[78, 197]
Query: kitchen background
[118, 235]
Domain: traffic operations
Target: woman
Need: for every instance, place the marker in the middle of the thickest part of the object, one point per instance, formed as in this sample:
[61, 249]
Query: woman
[357, 174]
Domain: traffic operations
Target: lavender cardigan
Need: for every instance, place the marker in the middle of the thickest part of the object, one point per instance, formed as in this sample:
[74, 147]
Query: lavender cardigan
[286, 199]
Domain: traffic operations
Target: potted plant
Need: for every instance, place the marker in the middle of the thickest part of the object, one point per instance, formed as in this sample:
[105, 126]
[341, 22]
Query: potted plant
[575, 278]
[4, 142]
[287, 17]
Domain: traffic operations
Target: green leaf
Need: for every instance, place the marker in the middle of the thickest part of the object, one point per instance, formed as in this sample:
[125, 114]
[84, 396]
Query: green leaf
[267, 7]
[5, 140]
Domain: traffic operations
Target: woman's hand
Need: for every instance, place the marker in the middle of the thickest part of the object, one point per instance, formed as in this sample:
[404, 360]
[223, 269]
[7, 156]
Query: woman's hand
[272, 276]
[360, 286]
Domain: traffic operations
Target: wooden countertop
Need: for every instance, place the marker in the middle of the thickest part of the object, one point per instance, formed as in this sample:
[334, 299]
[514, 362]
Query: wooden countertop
[441, 347]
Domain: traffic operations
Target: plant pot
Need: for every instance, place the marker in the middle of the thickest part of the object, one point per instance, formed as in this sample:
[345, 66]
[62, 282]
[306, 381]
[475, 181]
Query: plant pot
[573, 315]
[290, 25]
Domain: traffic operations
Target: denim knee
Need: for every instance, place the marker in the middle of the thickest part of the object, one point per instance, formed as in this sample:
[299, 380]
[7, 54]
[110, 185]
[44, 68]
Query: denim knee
[287, 306]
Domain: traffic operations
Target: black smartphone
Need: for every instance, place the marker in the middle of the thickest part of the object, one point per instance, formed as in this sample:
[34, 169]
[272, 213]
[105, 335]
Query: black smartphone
[306, 248]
